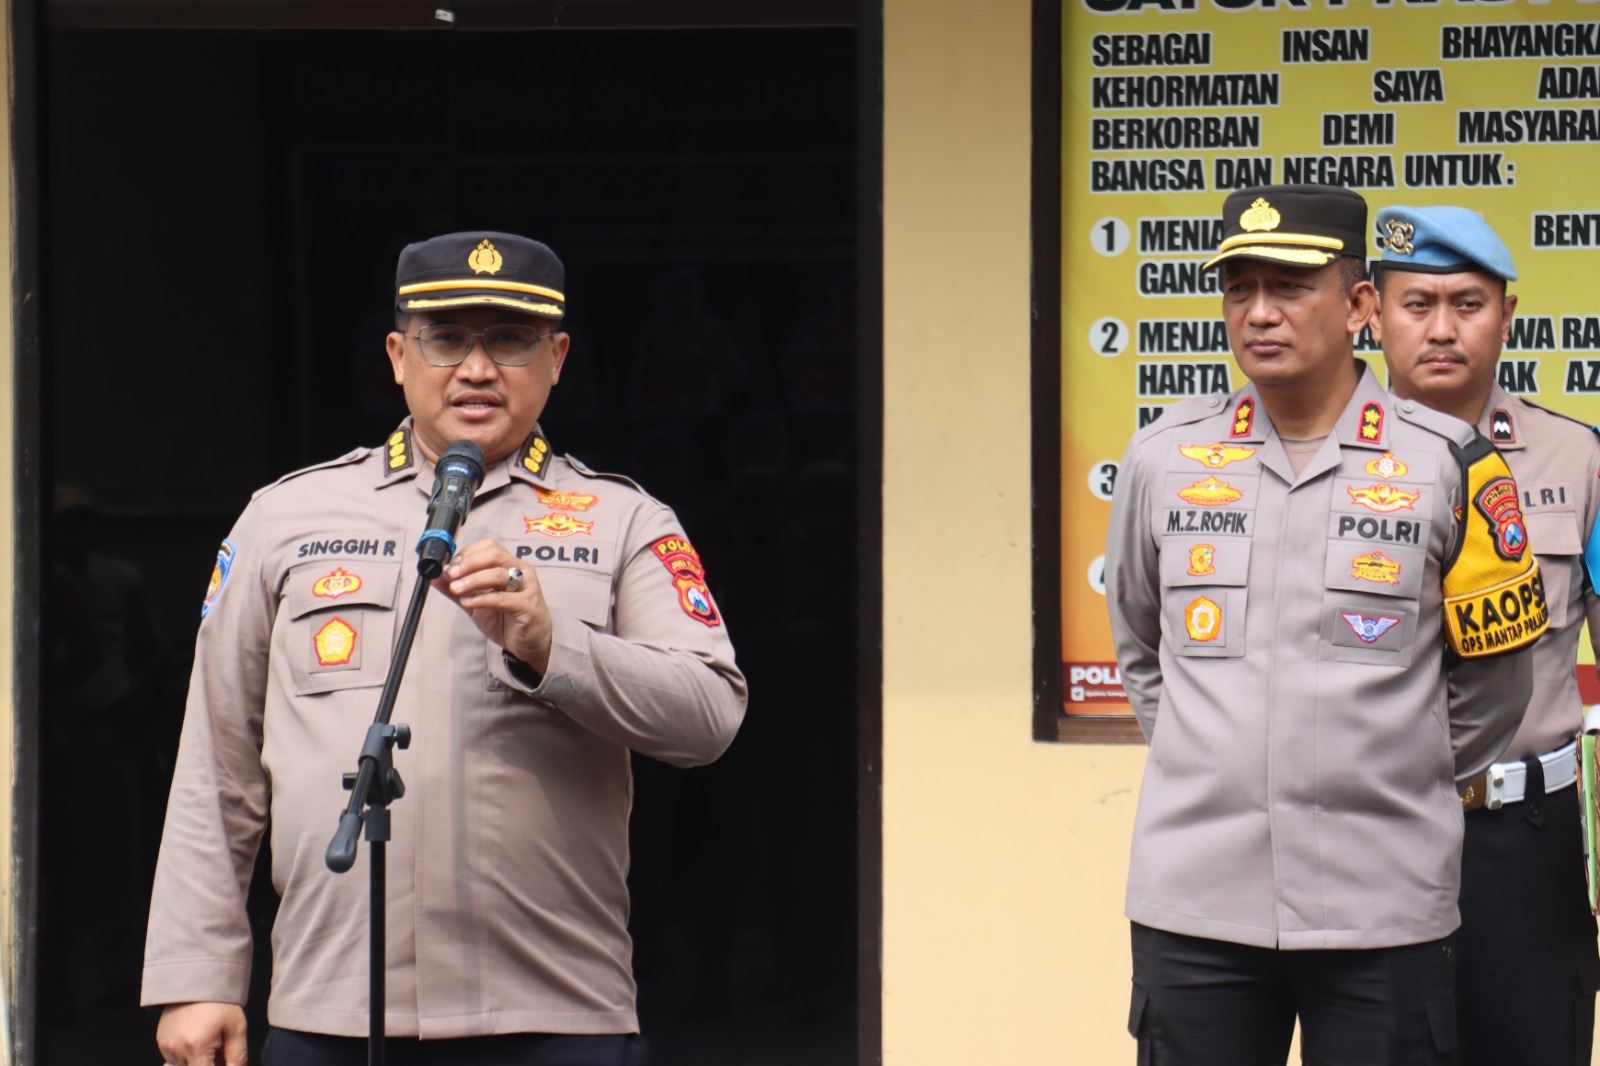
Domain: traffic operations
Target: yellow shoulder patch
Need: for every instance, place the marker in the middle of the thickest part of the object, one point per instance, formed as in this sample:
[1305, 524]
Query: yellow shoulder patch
[1493, 593]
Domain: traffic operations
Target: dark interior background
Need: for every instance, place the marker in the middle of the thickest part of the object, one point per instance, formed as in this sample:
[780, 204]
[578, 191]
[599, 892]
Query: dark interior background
[221, 215]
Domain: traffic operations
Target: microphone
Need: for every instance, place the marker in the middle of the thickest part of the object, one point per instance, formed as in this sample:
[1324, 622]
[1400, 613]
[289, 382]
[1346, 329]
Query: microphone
[456, 477]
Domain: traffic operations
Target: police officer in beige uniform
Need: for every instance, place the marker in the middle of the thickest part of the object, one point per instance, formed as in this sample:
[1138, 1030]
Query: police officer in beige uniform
[1526, 963]
[574, 627]
[1320, 597]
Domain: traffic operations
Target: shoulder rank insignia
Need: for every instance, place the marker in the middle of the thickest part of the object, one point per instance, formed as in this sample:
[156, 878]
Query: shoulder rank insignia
[1494, 598]
[1243, 417]
[1371, 422]
[535, 454]
[399, 455]
[1500, 430]
[1215, 456]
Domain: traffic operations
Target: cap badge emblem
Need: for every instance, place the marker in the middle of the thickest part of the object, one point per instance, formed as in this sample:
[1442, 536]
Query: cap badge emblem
[484, 258]
[1399, 238]
[1260, 216]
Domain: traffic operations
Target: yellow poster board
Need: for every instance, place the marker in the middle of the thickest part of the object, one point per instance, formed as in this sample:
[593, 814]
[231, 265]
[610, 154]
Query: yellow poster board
[1167, 105]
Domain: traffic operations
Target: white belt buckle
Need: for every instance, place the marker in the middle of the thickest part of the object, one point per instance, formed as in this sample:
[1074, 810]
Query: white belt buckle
[1494, 792]
[1506, 782]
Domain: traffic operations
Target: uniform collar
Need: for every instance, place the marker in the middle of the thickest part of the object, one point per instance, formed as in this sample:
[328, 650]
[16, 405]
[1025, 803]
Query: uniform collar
[1364, 422]
[403, 461]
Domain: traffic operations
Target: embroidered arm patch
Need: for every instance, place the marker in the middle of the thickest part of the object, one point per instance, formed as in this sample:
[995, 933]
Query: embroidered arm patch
[1493, 592]
[688, 577]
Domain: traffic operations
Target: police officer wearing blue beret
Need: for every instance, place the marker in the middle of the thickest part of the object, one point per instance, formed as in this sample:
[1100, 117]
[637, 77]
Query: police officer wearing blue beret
[1527, 965]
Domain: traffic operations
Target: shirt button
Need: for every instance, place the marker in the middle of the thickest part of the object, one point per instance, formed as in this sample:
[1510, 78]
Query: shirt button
[1408, 407]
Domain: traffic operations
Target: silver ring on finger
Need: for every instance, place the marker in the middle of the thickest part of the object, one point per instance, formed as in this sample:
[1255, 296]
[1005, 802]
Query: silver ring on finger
[514, 580]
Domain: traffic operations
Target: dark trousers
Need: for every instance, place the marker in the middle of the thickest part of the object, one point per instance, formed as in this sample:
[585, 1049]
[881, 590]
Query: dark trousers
[1526, 960]
[288, 1047]
[1199, 1002]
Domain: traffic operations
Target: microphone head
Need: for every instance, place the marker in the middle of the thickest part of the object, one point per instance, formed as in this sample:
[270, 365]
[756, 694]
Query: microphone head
[463, 458]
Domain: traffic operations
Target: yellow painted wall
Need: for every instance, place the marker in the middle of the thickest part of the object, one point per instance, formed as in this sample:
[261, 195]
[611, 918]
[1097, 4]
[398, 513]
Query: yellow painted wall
[1004, 860]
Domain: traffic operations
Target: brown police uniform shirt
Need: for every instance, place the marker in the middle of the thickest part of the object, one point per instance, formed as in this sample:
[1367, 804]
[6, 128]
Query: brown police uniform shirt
[507, 909]
[1556, 461]
[1282, 642]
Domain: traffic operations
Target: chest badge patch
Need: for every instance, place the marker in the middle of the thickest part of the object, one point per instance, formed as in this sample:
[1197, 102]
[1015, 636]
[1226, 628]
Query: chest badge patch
[1202, 560]
[1376, 567]
[339, 583]
[1202, 618]
[688, 577]
[1386, 466]
[1215, 456]
[1368, 630]
[566, 501]
[1210, 493]
[1498, 502]
[1383, 498]
[556, 524]
[334, 643]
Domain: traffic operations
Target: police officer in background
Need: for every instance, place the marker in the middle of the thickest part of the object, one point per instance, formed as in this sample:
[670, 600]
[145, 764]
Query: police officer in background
[1319, 595]
[1526, 964]
[574, 627]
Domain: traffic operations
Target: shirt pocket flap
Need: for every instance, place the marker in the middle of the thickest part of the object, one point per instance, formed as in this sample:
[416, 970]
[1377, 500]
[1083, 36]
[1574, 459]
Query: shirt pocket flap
[329, 584]
[585, 594]
[1204, 561]
[1554, 533]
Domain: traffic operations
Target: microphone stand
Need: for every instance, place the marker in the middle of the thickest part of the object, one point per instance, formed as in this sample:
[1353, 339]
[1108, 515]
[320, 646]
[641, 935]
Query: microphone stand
[375, 785]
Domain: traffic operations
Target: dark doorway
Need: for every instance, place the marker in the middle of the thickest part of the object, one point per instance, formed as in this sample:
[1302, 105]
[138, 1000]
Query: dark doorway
[222, 215]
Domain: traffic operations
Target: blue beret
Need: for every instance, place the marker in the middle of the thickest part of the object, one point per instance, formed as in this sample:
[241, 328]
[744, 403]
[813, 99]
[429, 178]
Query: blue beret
[1441, 240]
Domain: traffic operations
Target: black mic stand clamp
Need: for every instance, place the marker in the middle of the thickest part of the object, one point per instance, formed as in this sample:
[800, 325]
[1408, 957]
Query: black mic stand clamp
[380, 787]
[386, 785]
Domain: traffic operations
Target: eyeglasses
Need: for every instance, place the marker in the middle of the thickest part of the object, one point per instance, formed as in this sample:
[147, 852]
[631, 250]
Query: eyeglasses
[509, 345]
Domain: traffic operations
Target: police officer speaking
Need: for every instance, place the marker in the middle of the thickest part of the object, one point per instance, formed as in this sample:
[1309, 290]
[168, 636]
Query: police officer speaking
[581, 628]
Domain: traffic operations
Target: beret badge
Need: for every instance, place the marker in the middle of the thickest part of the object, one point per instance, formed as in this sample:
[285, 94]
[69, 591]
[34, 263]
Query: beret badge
[1260, 216]
[484, 259]
[1399, 238]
